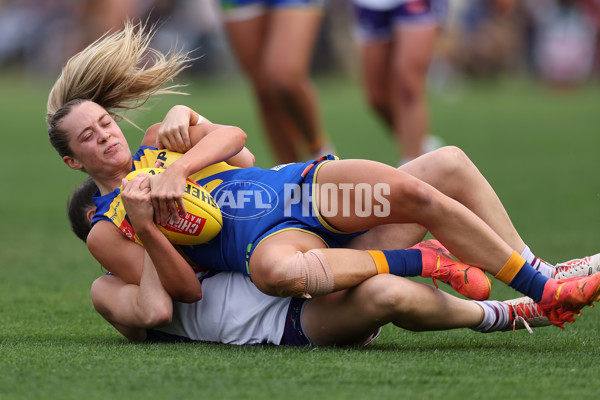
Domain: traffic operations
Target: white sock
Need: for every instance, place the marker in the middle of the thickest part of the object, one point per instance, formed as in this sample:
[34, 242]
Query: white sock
[495, 316]
[540, 265]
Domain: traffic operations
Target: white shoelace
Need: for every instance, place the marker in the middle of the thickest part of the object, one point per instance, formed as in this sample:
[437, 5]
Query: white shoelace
[523, 321]
[528, 309]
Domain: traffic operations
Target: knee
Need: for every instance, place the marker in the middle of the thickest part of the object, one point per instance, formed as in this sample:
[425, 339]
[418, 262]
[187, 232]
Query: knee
[411, 195]
[262, 88]
[267, 276]
[452, 162]
[283, 80]
[391, 296]
[398, 300]
[303, 274]
[411, 93]
[452, 158]
[410, 86]
[380, 104]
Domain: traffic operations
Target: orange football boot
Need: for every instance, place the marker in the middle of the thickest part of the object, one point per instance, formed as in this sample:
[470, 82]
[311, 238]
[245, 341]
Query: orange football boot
[525, 313]
[438, 264]
[564, 298]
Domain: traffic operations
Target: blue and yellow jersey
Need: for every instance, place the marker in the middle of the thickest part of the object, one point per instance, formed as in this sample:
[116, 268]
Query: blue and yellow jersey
[255, 203]
[110, 206]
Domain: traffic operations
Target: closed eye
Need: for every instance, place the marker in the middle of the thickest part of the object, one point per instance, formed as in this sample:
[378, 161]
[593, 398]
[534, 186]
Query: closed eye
[86, 135]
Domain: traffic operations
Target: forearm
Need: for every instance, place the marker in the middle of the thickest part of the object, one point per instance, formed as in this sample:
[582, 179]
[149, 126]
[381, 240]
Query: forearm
[243, 159]
[219, 145]
[194, 117]
[177, 277]
[154, 304]
[133, 308]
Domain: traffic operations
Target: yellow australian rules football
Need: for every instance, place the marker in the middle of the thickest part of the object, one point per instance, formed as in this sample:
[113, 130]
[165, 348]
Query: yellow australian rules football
[202, 221]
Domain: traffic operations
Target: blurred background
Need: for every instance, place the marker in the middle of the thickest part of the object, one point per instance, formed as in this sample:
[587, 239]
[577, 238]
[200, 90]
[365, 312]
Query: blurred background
[515, 84]
[556, 41]
[552, 44]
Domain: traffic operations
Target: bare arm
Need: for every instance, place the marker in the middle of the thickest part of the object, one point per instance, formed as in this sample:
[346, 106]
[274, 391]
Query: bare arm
[182, 128]
[115, 252]
[124, 258]
[174, 272]
[243, 159]
[211, 143]
[130, 308]
[176, 131]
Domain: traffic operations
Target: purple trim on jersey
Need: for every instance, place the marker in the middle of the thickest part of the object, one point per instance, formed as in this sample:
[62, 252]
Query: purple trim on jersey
[380, 24]
[293, 332]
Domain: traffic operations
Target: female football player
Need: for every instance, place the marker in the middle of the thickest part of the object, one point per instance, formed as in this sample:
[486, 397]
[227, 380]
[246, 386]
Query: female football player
[233, 311]
[397, 40]
[273, 41]
[288, 252]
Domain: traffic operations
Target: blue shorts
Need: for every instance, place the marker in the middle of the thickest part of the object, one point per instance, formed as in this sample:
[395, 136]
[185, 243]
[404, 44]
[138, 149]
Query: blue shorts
[293, 332]
[306, 217]
[240, 10]
[256, 204]
[375, 24]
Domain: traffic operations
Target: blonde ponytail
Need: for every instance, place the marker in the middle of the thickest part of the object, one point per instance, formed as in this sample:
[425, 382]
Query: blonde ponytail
[118, 71]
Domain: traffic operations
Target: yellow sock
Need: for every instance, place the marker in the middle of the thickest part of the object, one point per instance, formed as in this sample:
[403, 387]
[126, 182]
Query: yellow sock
[380, 261]
[511, 268]
[519, 275]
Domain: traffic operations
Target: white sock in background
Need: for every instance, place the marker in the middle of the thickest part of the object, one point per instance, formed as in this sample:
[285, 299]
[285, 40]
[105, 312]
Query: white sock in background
[540, 265]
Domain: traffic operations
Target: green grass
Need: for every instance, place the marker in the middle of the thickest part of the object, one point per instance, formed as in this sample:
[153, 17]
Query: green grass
[539, 150]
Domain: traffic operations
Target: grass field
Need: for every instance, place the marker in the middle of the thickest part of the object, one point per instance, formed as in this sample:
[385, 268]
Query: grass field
[539, 150]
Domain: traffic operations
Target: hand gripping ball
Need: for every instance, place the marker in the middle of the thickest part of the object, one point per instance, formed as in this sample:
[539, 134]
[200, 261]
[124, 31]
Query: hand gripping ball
[202, 221]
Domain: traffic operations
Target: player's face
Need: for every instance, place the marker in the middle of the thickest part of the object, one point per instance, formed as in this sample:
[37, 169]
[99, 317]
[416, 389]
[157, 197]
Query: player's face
[95, 139]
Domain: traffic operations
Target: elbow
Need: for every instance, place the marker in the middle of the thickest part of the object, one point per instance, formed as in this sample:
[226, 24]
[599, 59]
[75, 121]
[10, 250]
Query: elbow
[153, 129]
[159, 316]
[188, 296]
[241, 137]
[156, 312]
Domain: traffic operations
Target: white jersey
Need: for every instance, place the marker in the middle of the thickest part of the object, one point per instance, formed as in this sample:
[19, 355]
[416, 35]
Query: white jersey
[232, 311]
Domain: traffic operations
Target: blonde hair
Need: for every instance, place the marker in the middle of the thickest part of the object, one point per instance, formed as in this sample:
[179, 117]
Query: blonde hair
[119, 72]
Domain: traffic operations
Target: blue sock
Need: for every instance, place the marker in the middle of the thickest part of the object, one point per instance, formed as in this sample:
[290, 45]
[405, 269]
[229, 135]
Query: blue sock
[529, 282]
[404, 262]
